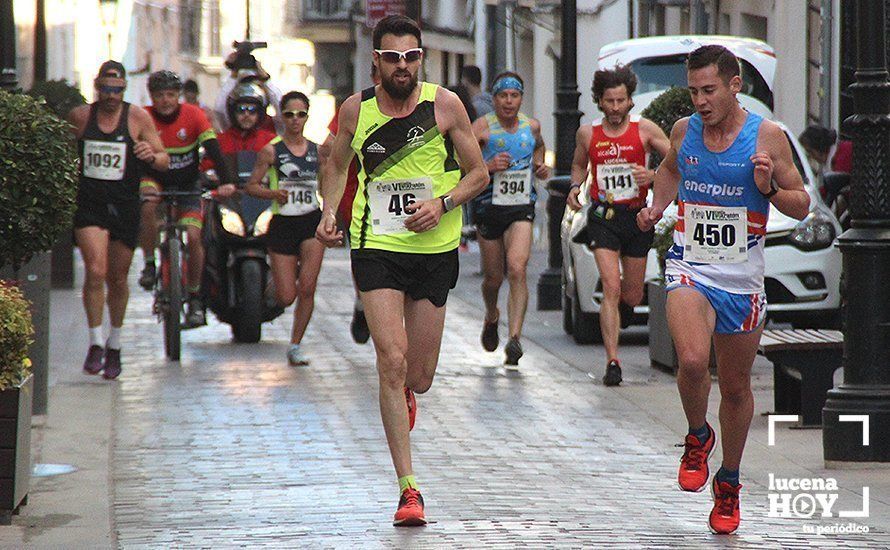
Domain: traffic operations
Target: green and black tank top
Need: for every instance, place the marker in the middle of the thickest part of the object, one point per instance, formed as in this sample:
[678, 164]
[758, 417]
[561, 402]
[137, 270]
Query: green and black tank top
[401, 160]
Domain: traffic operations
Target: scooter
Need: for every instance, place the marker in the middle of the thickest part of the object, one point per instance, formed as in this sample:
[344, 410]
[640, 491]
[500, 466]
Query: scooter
[237, 277]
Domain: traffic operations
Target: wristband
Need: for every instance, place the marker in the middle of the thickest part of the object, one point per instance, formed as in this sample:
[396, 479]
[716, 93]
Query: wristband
[773, 189]
[575, 185]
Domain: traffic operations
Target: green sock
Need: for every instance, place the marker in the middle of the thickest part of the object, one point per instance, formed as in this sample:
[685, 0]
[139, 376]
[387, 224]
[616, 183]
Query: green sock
[407, 481]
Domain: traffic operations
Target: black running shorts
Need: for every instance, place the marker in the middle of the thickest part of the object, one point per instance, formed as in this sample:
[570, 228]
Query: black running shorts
[121, 219]
[494, 222]
[619, 233]
[287, 233]
[420, 276]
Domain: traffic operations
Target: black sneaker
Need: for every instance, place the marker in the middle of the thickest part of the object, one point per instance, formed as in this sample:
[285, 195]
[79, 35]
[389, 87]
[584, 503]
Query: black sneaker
[613, 374]
[625, 313]
[490, 338]
[195, 316]
[513, 349]
[93, 362]
[148, 277]
[359, 327]
[112, 364]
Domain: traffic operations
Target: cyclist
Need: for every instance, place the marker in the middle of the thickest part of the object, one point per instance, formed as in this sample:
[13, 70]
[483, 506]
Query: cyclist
[184, 128]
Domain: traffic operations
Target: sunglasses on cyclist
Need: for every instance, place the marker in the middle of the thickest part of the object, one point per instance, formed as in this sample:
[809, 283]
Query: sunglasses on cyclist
[112, 89]
[241, 109]
[292, 114]
[394, 56]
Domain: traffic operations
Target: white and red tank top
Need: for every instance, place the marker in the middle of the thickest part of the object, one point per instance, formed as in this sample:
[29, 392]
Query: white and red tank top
[611, 164]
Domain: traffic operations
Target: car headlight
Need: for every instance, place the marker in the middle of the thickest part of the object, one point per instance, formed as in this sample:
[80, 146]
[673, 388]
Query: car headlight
[262, 223]
[814, 232]
[231, 221]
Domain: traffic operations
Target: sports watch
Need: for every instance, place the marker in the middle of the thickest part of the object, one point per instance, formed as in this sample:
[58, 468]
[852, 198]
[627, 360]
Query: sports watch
[447, 203]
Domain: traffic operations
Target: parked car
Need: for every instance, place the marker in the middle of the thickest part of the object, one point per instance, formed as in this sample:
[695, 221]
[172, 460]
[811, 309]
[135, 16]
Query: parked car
[803, 268]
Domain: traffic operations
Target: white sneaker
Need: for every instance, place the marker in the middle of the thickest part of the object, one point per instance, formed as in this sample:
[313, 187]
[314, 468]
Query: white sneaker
[295, 357]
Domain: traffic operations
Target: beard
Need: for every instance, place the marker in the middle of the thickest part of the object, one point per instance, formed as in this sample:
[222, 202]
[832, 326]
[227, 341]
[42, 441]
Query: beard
[399, 91]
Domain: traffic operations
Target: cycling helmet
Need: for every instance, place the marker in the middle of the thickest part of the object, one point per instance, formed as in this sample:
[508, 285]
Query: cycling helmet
[164, 80]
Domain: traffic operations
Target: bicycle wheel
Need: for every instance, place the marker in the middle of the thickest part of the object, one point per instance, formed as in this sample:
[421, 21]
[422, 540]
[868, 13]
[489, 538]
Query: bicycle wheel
[173, 313]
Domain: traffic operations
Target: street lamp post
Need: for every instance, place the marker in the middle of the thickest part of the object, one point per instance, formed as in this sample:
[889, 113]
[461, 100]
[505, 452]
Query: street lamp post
[568, 117]
[865, 392]
[8, 79]
[109, 19]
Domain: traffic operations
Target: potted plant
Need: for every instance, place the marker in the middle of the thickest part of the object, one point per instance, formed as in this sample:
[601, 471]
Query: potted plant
[16, 390]
[38, 185]
[60, 97]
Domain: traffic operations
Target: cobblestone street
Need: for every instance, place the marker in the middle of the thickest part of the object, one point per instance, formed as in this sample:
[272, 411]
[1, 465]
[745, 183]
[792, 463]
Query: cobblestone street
[234, 447]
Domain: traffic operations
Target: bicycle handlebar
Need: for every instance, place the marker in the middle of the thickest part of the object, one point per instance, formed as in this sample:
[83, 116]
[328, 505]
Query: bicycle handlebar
[178, 194]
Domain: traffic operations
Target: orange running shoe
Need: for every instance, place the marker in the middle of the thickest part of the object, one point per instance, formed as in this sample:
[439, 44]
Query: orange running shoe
[694, 472]
[412, 407]
[410, 512]
[725, 516]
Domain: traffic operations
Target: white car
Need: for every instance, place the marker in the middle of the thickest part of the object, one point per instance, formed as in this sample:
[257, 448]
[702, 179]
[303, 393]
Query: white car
[803, 268]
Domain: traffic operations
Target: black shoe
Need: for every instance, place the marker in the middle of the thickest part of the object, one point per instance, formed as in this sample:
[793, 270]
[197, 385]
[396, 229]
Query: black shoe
[626, 313]
[195, 316]
[148, 277]
[613, 374]
[359, 327]
[112, 364]
[490, 338]
[513, 349]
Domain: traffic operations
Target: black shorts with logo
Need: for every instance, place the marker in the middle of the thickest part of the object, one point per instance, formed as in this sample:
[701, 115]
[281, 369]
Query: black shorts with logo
[420, 276]
[620, 232]
[121, 219]
[493, 221]
[287, 233]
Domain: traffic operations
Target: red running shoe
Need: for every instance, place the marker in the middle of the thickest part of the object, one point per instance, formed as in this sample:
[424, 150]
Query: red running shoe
[694, 472]
[725, 516]
[412, 407]
[410, 512]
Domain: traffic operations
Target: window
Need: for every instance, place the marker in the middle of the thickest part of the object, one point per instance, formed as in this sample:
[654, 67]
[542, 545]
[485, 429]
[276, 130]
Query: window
[190, 26]
[663, 72]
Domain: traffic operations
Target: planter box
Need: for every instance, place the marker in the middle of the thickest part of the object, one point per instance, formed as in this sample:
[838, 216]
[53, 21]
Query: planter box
[662, 354]
[15, 447]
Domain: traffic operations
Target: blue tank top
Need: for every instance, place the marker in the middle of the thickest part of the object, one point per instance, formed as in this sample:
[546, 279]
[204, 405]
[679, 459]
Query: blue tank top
[717, 189]
[519, 144]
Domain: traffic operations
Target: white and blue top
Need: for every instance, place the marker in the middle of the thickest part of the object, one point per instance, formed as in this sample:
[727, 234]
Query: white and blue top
[722, 215]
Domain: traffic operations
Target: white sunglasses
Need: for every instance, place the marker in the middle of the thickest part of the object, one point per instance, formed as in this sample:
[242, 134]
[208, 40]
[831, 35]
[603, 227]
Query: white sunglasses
[394, 56]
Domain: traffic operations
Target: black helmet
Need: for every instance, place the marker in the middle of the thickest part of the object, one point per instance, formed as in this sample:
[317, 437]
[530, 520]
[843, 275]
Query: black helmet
[164, 80]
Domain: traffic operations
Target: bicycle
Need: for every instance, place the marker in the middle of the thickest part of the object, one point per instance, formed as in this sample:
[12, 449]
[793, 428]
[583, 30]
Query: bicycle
[170, 286]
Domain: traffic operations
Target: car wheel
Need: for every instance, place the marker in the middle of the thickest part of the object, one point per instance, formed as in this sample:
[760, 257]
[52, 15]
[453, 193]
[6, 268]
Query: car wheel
[585, 326]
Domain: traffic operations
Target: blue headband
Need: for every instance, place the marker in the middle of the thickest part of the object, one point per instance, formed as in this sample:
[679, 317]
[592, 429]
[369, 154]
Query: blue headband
[506, 83]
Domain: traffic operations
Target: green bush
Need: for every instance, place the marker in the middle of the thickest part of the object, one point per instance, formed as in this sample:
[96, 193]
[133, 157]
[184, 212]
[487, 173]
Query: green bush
[58, 95]
[38, 178]
[667, 109]
[15, 336]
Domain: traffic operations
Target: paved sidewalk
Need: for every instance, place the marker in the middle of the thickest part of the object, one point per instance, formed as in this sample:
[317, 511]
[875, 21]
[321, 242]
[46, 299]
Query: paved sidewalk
[231, 447]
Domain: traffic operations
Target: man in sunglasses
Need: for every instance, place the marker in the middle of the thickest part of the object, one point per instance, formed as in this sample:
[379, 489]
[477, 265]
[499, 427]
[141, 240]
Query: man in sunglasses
[114, 138]
[246, 108]
[405, 230]
[183, 128]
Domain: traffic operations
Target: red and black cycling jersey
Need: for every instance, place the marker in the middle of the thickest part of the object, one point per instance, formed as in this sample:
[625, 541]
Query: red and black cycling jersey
[181, 136]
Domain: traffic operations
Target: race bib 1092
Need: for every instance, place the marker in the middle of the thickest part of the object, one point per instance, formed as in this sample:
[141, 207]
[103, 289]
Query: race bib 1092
[104, 160]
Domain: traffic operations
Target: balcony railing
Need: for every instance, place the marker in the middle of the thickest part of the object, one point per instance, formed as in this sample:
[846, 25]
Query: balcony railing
[326, 10]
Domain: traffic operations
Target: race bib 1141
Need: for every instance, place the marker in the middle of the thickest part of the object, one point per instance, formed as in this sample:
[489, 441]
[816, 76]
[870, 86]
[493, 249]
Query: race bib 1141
[390, 201]
[617, 182]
